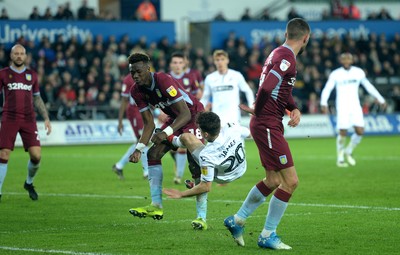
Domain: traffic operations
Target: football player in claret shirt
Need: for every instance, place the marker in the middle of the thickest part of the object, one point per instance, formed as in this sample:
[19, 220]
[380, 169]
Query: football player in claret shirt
[133, 115]
[160, 90]
[20, 89]
[273, 98]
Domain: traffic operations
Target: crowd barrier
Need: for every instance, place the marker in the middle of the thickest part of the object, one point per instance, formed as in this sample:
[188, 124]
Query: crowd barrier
[106, 131]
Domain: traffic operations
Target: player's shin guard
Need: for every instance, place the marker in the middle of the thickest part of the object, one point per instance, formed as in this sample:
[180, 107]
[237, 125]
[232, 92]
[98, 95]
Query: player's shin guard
[155, 181]
[3, 172]
[145, 163]
[33, 167]
[354, 141]
[340, 144]
[201, 205]
[180, 158]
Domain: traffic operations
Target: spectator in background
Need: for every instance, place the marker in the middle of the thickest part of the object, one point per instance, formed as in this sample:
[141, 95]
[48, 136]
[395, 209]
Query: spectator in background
[351, 11]
[4, 14]
[336, 9]
[265, 15]
[35, 14]
[384, 15]
[220, 16]
[146, 11]
[293, 14]
[246, 15]
[395, 96]
[84, 12]
[47, 14]
[60, 13]
[68, 15]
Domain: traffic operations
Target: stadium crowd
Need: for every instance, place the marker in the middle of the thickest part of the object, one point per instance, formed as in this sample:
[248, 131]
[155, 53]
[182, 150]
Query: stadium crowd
[83, 80]
[75, 76]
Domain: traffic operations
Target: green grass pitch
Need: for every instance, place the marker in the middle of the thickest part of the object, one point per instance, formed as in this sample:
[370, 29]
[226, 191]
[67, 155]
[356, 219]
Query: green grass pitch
[83, 207]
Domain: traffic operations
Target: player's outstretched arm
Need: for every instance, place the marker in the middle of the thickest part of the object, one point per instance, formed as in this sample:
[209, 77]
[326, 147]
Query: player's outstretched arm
[39, 104]
[201, 188]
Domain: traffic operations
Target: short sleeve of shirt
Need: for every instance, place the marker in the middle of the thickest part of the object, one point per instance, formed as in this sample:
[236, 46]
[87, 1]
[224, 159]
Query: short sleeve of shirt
[35, 84]
[207, 169]
[127, 84]
[168, 87]
[283, 63]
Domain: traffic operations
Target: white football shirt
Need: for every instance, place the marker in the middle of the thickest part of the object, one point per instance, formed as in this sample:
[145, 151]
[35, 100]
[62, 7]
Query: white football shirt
[224, 159]
[348, 106]
[223, 91]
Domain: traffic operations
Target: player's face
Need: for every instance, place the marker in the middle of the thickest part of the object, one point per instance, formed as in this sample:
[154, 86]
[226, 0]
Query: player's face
[177, 65]
[346, 60]
[141, 74]
[305, 42]
[221, 63]
[18, 56]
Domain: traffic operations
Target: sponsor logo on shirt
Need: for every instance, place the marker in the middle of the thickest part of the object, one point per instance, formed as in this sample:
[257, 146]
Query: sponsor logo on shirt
[172, 91]
[284, 65]
[158, 92]
[223, 88]
[204, 170]
[283, 159]
[19, 86]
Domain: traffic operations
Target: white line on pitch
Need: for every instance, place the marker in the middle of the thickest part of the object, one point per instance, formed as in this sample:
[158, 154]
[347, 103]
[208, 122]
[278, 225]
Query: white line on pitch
[383, 208]
[50, 251]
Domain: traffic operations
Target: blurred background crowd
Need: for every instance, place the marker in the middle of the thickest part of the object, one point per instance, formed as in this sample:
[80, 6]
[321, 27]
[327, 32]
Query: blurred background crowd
[82, 80]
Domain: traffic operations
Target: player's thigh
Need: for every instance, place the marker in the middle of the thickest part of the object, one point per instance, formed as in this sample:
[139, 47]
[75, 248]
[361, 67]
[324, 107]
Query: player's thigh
[343, 120]
[156, 152]
[8, 134]
[273, 148]
[29, 135]
[192, 128]
[357, 118]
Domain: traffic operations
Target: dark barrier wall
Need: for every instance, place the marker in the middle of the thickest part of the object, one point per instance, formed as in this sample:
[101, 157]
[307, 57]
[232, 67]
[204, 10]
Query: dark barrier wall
[10, 31]
[254, 32]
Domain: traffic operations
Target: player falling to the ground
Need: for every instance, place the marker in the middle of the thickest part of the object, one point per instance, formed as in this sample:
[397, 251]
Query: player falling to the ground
[222, 159]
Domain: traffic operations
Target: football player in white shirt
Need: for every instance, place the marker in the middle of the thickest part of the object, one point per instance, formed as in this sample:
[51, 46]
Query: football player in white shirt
[223, 87]
[222, 159]
[347, 80]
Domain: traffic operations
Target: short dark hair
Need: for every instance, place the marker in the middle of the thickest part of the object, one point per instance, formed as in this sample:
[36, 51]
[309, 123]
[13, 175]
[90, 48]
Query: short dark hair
[177, 54]
[297, 28]
[209, 122]
[138, 57]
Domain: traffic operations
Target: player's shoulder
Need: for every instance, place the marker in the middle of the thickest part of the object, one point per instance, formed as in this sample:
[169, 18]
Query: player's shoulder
[357, 69]
[234, 73]
[283, 52]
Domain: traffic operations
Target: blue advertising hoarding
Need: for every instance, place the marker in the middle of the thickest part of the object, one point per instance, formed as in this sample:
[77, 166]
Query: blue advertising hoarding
[254, 32]
[11, 30]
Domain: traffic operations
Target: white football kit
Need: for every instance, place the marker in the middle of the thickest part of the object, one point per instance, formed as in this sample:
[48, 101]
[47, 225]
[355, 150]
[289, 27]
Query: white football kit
[348, 107]
[224, 159]
[223, 91]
